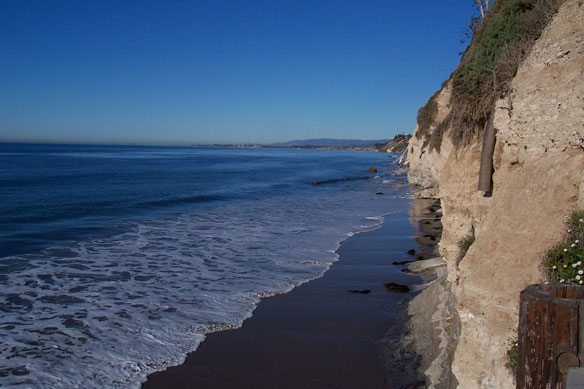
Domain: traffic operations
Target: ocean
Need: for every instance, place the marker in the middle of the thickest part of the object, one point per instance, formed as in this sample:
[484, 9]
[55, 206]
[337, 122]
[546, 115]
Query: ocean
[115, 261]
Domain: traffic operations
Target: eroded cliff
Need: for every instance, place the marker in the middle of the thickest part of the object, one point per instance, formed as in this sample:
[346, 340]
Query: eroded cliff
[538, 179]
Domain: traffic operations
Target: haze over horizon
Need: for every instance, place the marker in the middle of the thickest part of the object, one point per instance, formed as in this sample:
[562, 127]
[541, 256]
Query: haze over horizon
[181, 73]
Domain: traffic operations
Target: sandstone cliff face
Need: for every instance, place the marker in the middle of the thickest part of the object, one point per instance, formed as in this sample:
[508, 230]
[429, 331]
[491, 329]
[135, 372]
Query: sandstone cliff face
[538, 180]
[426, 164]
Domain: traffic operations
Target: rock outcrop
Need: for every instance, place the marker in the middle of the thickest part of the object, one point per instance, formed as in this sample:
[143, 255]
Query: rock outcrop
[425, 163]
[538, 179]
[397, 145]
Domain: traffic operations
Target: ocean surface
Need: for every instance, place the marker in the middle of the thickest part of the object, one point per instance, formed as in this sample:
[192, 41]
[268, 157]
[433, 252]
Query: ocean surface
[115, 261]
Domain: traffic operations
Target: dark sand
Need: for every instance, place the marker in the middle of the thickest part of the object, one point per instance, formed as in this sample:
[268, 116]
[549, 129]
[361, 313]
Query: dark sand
[321, 335]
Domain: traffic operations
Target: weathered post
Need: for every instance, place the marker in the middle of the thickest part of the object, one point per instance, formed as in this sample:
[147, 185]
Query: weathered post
[549, 335]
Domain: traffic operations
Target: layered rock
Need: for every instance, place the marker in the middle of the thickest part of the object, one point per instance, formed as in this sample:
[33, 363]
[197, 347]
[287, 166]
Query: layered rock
[538, 180]
[425, 163]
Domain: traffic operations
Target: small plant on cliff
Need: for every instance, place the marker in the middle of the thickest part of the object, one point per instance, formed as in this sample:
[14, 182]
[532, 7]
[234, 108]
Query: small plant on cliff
[565, 261]
[463, 246]
[512, 353]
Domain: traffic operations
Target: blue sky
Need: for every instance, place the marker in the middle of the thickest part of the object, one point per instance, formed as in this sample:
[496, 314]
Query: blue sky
[185, 72]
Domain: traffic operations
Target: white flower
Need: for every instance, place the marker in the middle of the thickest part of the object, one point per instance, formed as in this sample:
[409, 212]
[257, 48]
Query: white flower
[579, 263]
[574, 265]
[573, 245]
[581, 282]
[555, 267]
[581, 220]
[565, 266]
[580, 272]
[562, 281]
[577, 241]
[578, 278]
[565, 250]
[546, 283]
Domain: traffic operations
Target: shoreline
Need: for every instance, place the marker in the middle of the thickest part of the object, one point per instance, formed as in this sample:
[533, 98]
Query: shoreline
[344, 328]
[433, 326]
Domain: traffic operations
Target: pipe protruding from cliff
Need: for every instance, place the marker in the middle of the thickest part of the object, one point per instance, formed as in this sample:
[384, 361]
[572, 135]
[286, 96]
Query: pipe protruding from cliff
[486, 169]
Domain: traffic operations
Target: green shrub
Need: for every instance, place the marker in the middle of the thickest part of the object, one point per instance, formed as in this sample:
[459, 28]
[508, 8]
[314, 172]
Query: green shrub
[512, 353]
[502, 28]
[565, 260]
[490, 62]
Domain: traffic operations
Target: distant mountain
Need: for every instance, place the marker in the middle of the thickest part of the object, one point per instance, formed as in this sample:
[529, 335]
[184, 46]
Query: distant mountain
[327, 142]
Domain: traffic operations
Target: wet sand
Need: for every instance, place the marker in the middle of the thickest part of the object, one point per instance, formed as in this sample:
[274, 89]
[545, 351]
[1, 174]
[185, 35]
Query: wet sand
[323, 334]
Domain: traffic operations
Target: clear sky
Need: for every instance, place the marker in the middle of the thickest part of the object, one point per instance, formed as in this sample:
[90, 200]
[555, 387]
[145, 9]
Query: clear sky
[184, 72]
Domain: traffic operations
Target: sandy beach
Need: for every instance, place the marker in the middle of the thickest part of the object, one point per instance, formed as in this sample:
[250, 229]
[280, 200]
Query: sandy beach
[340, 331]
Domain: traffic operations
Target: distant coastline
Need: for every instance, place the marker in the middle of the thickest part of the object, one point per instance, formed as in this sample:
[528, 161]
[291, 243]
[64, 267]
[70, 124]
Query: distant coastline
[397, 144]
[306, 147]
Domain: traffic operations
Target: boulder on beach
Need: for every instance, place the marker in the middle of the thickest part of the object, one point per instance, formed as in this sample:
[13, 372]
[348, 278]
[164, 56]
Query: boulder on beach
[393, 287]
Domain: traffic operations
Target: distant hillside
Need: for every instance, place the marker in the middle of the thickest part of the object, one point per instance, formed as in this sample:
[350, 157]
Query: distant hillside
[326, 142]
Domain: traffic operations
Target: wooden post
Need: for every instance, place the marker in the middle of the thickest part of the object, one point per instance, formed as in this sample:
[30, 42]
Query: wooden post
[549, 344]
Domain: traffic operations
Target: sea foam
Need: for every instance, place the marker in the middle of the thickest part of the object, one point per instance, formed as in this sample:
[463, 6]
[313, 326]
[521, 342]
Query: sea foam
[106, 312]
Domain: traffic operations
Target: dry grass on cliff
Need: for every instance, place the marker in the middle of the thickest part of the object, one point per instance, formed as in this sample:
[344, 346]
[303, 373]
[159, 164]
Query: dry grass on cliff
[488, 65]
[426, 116]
